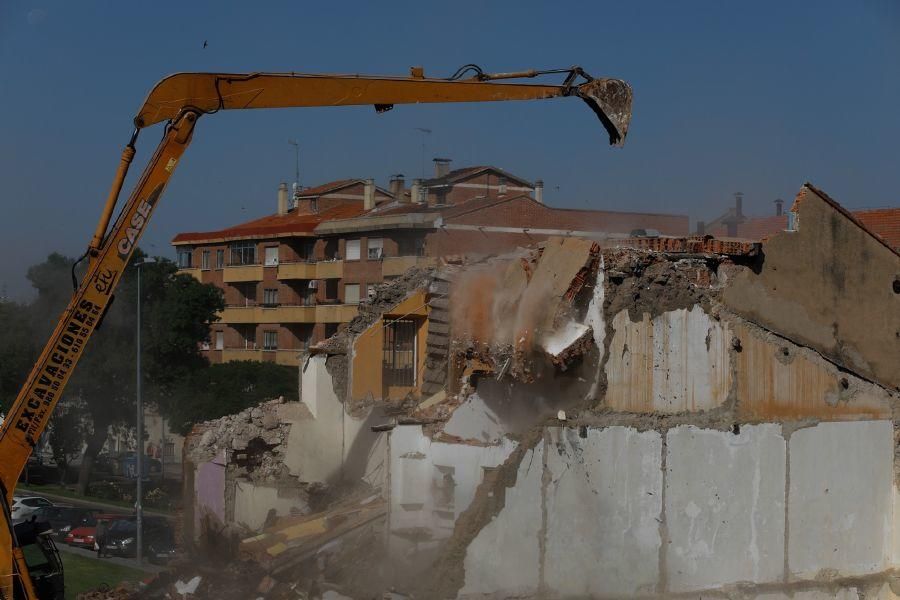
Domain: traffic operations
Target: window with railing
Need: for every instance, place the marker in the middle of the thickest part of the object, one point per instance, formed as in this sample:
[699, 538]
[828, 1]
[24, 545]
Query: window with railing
[270, 297]
[270, 340]
[220, 259]
[375, 248]
[185, 258]
[399, 353]
[411, 246]
[243, 253]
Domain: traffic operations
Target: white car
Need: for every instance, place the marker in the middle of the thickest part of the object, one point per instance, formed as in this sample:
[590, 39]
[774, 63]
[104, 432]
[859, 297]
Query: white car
[23, 507]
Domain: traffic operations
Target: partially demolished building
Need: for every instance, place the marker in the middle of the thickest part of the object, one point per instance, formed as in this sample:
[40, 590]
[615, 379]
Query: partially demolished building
[629, 418]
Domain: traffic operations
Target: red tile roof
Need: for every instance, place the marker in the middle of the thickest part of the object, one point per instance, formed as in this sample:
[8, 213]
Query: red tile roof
[883, 221]
[331, 186]
[274, 225]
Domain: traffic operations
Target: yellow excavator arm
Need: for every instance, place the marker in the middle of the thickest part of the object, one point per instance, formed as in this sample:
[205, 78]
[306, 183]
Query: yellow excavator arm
[180, 100]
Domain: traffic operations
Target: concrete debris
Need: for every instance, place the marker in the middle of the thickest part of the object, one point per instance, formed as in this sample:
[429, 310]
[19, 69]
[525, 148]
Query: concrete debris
[188, 587]
[253, 438]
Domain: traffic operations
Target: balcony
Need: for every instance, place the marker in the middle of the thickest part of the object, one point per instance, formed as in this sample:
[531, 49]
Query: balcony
[398, 265]
[338, 313]
[290, 358]
[335, 313]
[329, 269]
[297, 270]
[230, 354]
[240, 273]
[193, 272]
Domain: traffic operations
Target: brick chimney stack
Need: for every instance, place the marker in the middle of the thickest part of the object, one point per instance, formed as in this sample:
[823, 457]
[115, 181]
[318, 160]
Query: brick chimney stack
[397, 187]
[369, 195]
[779, 207]
[415, 191]
[282, 198]
[441, 166]
[539, 190]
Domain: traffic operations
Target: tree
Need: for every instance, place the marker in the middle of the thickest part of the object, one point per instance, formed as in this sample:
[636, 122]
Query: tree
[66, 434]
[178, 311]
[17, 352]
[227, 388]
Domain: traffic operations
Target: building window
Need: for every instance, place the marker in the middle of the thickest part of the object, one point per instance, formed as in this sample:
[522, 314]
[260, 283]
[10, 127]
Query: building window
[220, 259]
[270, 296]
[411, 246]
[352, 250]
[220, 340]
[351, 293]
[248, 336]
[243, 253]
[376, 248]
[271, 256]
[247, 293]
[185, 258]
[204, 259]
[399, 353]
[169, 450]
[270, 340]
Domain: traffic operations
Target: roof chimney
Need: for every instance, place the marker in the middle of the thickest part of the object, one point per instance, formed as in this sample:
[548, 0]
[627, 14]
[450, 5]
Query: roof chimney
[369, 195]
[539, 190]
[415, 191]
[779, 207]
[739, 204]
[441, 166]
[282, 198]
[397, 187]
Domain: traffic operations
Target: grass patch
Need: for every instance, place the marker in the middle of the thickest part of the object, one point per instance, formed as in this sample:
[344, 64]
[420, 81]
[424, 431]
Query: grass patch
[83, 574]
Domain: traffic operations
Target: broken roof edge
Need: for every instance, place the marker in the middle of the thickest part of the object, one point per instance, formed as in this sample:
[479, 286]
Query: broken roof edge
[412, 220]
[837, 206]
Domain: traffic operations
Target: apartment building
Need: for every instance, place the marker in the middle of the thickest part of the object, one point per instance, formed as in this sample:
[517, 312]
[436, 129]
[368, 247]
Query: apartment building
[290, 279]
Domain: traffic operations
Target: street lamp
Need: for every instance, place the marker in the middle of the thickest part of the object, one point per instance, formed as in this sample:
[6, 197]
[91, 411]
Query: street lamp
[139, 432]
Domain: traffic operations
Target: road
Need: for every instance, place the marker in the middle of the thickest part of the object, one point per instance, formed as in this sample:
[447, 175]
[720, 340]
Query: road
[85, 502]
[124, 562]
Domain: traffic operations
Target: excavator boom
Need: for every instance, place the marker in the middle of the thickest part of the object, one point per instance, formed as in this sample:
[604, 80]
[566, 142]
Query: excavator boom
[180, 100]
[211, 92]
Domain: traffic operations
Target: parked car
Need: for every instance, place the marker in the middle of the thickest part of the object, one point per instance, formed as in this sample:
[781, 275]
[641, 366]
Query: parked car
[63, 519]
[23, 507]
[85, 536]
[128, 465]
[121, 539]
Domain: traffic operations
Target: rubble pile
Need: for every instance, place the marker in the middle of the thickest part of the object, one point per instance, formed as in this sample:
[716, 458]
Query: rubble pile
[253, 437]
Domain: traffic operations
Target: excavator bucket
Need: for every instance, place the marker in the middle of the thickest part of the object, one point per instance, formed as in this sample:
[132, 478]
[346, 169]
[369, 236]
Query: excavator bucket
[610, 99]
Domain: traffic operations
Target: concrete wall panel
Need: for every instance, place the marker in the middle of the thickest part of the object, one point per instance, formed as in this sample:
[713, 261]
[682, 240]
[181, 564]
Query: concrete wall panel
[724, 506]
[604, 502]
[505, 559]
[778, 380]
[675, 362]
[840, 499]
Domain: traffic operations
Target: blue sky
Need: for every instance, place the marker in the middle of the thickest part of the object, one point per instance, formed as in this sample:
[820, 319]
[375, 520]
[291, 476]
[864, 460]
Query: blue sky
[755, 97]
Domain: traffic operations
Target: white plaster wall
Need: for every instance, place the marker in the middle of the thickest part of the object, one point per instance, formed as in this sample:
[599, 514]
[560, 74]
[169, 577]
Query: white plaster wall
[504, 558]
[840, 499]
[319, 439]
[475, 420]
[724, 506]
[252, 504]
[432, 483]
[603, 502]
[675, 362]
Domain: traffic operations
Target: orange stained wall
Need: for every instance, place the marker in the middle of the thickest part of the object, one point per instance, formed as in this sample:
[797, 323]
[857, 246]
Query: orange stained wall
[366, 370]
